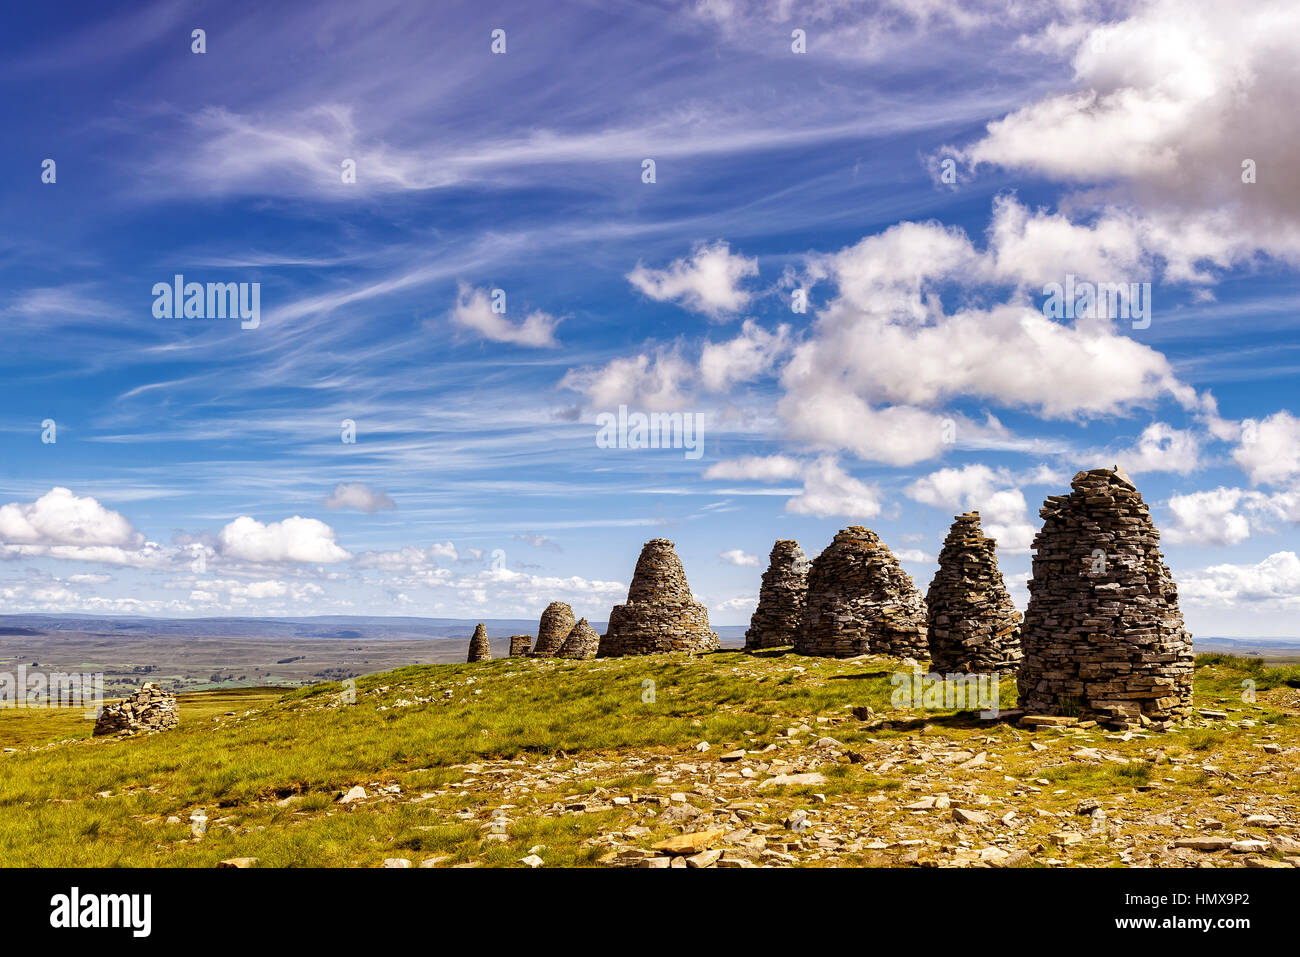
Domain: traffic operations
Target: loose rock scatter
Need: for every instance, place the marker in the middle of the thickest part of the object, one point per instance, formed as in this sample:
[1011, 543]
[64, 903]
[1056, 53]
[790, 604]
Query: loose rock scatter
[149, 709]
[781, 599]
[972, 624]
[1103, 633]
[860, 601]
[660, 614]
[557, 621]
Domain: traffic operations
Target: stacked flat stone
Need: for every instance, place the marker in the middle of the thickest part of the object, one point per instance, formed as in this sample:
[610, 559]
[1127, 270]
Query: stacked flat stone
[781, 598]
[479, 649]
[557, 621]
[582, 642]
[1103, 635]
[147, 710]
[972, 625]
[520, 645]
[860, 601]
[660, 614]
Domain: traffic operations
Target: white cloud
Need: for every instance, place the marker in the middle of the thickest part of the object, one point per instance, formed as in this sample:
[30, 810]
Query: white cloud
[1004, 514]
[829, 490]
[1162, 448]
[295, 539]
[743, 358]
[1273, 582]
[736, 556]
[656, 384]
[1269, 452]
[61, 518]
[473, 310]
[1208, 518]
[359, 496]
[708, 281]
[755, 468]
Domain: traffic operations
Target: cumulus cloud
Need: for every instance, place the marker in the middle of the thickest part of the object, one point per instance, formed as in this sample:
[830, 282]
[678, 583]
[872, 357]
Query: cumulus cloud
[737, 556]
[1273, 582]
[829, 490]
[658, 383]
[359, 496]
[473, 310]
[749, 355]
[1004, 513]
[295, 539]
[1162, 448]
[708, 281]
[1208, 518]
[1269, 451]
[61, 518]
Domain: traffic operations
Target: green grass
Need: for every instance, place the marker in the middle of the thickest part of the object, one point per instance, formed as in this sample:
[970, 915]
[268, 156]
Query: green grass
[268, 782]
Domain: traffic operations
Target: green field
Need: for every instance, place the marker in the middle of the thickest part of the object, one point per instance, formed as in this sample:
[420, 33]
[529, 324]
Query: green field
[486, 762]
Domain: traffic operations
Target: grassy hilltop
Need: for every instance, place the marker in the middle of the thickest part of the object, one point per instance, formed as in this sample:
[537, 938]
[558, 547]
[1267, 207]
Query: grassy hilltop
[584, 763]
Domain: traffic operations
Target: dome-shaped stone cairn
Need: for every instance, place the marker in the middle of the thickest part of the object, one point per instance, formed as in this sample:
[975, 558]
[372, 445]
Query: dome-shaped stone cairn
[860, 601]
[781, 599]
[557, 621]
[972, 624]
[660, 614]
[582, 642]
[479, 649]
[520, 645]
[1103, 635]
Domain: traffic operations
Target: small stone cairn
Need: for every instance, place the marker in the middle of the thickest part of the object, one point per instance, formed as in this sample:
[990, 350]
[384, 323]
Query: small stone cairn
[582, 642]
[972, 624]
[1103, 635]
[860, 601]
[557, 621]
[781, 599]
[147, 710]
[660, 614]
[520, 645]
[479, 649]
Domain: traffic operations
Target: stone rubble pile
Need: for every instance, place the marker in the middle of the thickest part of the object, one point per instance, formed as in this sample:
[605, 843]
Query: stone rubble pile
[149, 709]
[781, 599]
[1103, 634]
[479, 649]
[557, 621]
[860, 601]
[660, 614]
[582, 642]
[972, 624]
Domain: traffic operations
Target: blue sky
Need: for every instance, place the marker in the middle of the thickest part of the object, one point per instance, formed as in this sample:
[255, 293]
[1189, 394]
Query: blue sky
[922, 173]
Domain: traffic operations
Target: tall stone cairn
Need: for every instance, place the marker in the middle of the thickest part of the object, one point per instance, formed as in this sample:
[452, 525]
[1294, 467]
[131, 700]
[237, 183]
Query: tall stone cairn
[583, 642]
[1103, 634]
[520, 645]
[660, 614]
[149, 709]
[781, 599]
[972, 624]
[479, 649]
[557, 621]
[860, 601]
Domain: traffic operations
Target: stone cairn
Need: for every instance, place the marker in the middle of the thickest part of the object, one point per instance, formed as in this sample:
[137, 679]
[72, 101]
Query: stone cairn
[557, 621]
[781, 599]
[972, 624]
[520, 645]
[1103, 635]
[479, 649]
[860, 601]
[660, 614]
[149, 709]
[582, 642]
